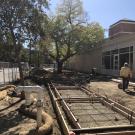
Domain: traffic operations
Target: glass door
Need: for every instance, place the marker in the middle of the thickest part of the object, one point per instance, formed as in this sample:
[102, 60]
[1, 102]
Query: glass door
[116, 62]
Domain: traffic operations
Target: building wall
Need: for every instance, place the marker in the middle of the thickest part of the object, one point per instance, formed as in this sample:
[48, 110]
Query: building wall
[86, 62]
[122, 27]
[118, 43]
[117, 49]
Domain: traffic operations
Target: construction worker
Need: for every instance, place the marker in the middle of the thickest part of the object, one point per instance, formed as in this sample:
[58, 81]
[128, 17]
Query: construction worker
[126, 74]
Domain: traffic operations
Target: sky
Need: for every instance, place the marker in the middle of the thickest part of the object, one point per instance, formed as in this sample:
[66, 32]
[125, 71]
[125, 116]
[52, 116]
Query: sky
[106, 12]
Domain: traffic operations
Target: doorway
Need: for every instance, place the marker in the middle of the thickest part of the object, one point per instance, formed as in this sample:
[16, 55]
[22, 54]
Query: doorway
[116, 62]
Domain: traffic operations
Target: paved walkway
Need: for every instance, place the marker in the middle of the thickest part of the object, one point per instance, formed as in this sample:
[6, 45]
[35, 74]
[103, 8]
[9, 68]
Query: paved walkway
[119, 80]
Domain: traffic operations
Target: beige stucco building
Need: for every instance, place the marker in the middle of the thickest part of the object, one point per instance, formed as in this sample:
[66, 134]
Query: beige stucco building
[109, 56]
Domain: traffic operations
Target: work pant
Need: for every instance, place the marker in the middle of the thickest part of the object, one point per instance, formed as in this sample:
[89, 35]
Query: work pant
[125, 82]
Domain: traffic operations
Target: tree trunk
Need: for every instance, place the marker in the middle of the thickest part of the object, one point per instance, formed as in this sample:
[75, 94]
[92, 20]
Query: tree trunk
[59, 67]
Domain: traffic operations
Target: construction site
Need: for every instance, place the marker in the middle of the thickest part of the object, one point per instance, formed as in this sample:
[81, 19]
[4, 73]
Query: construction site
[67, 67]
[67, 104]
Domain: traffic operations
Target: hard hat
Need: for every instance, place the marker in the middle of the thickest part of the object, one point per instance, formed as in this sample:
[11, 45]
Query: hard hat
[126, 64]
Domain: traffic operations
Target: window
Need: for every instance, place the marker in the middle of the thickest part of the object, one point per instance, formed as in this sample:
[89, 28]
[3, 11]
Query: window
[107, 53]
[126, 55]
[124, 50]
[115, 51]
[131, 49]
[116, 62]
[124, 58]
[115, 59]
[131, 60]
[106, 62]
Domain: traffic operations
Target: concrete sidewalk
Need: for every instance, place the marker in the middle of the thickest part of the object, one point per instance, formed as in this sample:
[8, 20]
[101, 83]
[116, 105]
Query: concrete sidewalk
[119, 80]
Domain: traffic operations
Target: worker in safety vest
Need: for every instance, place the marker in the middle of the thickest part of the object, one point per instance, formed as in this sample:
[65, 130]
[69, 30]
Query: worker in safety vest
[126, 74]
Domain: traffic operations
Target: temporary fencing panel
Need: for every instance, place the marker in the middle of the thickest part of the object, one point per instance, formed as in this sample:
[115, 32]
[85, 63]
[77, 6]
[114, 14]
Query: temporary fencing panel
[9, 72]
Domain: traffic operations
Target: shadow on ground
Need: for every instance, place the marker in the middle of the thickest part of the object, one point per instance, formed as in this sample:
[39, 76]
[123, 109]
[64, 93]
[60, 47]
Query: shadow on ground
[10, 120]
[77, 78]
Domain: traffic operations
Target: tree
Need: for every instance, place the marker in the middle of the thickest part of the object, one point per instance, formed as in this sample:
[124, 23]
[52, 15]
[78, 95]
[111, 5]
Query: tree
[37, 31]
[16, 23]
[64, 30]
[70, 32]
[90, 36]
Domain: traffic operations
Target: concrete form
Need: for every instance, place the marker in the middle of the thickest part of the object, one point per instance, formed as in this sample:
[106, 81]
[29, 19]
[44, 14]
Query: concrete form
[85, 112]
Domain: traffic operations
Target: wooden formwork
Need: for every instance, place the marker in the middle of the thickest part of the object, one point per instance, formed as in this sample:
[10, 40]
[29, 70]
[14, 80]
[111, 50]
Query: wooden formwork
[60, 104]
[58, 112]
[128, 113]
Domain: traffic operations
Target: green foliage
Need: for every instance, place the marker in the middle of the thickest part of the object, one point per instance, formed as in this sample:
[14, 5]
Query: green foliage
[69, 34]
[91, 36]
[94, 33]
[64, 29]
[20, 23]
[71, 10]
[24, 55]
[24, 22]
[17, 25]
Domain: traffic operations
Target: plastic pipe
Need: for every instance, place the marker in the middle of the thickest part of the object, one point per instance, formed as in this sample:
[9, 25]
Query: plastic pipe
[33, 89]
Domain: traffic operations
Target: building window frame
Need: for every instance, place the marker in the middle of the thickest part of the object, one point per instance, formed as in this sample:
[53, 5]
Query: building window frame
[127, 53]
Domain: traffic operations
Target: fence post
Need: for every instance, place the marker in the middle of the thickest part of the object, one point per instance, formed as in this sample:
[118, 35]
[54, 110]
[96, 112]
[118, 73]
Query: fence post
[15, 70]
[8, 73]
[3, 74]
[12, 72]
